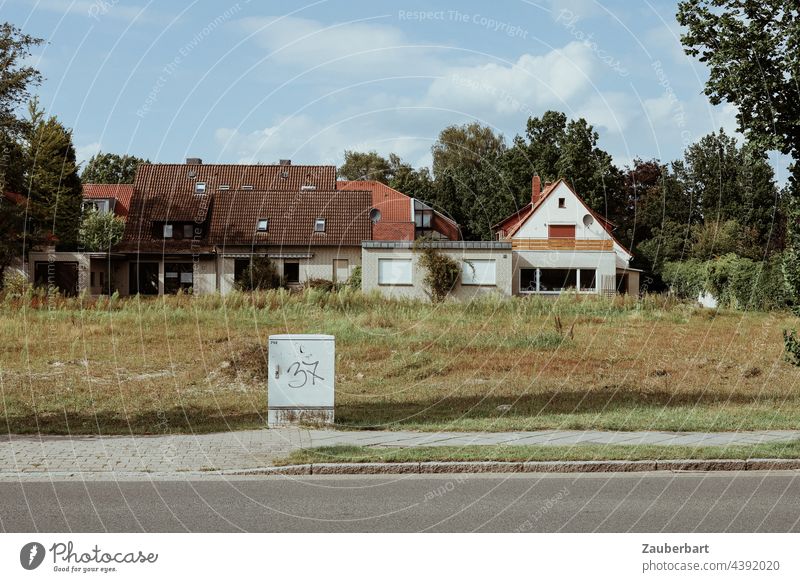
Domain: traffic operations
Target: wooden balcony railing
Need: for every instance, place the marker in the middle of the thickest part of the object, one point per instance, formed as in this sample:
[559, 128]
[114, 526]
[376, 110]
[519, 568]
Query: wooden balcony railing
[560, 244]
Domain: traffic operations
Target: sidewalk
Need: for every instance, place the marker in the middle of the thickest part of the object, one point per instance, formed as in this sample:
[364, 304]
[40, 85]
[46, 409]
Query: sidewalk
[174, 454]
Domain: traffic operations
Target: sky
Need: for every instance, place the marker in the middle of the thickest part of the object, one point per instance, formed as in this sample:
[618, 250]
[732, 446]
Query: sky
[259, 81]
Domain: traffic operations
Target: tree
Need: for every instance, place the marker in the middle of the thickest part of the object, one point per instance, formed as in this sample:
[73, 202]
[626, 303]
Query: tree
[557, 148]
[365, 166]
[469, 180]
[751, 49]
[16, 78]
[260, 273]
[52, 183]
[100, 230]
[111, 169]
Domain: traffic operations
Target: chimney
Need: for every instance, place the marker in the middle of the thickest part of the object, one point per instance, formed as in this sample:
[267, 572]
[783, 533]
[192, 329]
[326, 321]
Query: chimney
[286, 162]
[536, 189]
[194, 161]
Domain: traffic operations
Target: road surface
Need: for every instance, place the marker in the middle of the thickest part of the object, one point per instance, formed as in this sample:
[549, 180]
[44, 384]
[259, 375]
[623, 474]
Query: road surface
[640, 502]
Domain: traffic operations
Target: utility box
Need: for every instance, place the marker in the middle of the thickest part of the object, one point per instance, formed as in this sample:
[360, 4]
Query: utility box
[300, 388]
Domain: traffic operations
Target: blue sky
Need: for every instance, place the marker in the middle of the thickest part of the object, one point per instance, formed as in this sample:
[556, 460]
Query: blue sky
[259, 81]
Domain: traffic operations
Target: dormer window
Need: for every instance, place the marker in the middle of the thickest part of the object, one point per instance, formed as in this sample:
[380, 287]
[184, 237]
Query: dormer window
[247, 186]
[200, 188]
[319, 225]
[262, 225]
[562, 202]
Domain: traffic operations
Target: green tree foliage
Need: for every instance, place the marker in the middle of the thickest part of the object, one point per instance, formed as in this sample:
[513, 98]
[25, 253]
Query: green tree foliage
[100, 230]
[52, 183]
[16, 80]
[16, 77]
[751, 50]
[555, 147]
[469, 178]
[365, 166]
[111, 169]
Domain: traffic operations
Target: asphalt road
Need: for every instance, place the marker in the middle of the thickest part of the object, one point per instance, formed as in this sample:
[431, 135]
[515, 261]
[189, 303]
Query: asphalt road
[643, 502]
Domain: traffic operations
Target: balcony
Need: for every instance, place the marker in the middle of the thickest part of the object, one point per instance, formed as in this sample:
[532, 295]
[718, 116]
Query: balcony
[560, 244]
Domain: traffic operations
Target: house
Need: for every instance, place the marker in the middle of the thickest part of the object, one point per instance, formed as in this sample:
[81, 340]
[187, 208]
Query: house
[397, 217]
[559, 243]
[393, 269]
[196, 226]
[114, 198]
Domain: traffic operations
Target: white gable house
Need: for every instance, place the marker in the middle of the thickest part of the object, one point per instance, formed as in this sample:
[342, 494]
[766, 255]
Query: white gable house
[558, 244]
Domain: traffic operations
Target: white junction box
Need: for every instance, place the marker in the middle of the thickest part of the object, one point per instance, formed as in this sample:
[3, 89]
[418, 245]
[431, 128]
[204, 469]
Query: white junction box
[301, 380]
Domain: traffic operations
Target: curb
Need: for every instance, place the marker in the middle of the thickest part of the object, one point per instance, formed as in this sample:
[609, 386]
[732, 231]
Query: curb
[438, 467]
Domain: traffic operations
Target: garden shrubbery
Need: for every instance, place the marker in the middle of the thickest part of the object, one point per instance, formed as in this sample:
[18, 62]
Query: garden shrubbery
[736, 282]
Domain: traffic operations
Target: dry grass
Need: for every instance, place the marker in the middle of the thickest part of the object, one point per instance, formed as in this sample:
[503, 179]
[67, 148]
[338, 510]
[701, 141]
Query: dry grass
[181, 364]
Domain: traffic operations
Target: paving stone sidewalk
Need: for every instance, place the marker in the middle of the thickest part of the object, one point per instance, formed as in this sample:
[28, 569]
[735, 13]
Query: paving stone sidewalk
[173, 454]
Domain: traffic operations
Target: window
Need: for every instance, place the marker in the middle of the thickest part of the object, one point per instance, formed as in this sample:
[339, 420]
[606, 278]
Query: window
[167, 231]
[394, 272]
[177, 276]
[262, 225]
[319, 225]
[91, 279]
[422, 218]
[479, 272]
[224, 187]
[188, 230]
[557, 279]
[562, 202]
[291, 271]
[561, 231]
[143, 278]
[527, 280]
[247, 187]
[588, 280]
[100, 206]
[200, 188]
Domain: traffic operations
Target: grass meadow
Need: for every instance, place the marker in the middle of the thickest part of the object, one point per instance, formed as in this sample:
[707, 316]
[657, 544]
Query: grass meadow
[197, 364]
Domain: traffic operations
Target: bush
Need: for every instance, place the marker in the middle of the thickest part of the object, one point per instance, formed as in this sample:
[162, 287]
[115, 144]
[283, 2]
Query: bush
[321, 285]
[791, 345]
[15, 283]
[100, 231]
[442, 272]
[261, 273]
[354, 282]
[736, 282]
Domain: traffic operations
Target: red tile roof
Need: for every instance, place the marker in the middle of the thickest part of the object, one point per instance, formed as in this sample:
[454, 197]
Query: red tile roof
[291, 217]
[122, 193]
[393, 204]
[291, 197]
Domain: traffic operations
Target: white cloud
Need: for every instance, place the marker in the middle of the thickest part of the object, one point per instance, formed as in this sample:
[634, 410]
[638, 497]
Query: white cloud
[355, 47]
[526, 86]
[85, 152]
[610, 110]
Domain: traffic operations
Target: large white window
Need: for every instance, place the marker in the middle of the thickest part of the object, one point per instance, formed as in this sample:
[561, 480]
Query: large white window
[394, 272]
[479, 272]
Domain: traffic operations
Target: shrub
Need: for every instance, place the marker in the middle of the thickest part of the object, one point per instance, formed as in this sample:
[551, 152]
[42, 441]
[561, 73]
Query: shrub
[322, 285]
[100, 231]
[442, 272]
[735, 281]
[354, 282]
[791, 345]
[15, 283]
[261, 273]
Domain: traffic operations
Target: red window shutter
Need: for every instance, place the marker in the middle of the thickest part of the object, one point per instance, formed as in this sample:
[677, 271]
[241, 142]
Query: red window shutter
[561, 231]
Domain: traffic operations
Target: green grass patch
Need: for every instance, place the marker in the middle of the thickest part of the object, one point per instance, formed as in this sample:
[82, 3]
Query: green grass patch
[354, 454]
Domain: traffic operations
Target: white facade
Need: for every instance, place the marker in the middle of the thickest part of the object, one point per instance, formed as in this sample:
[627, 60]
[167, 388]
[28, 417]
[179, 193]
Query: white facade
[563, 245]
